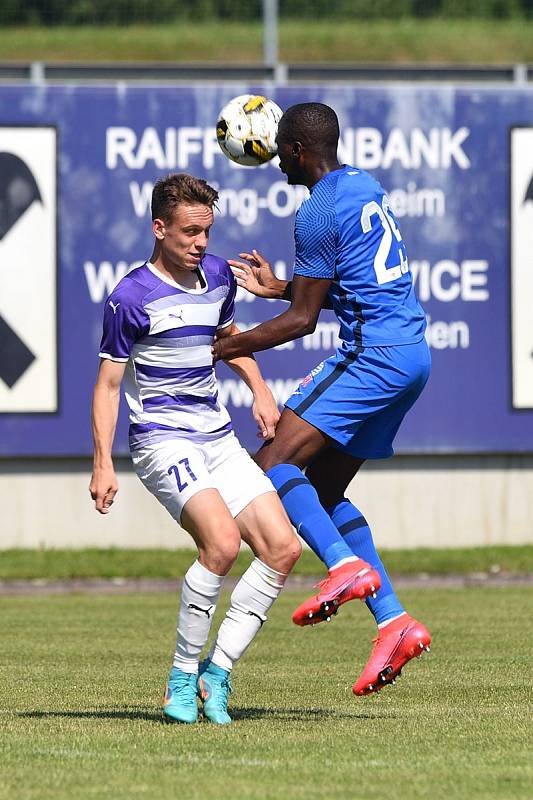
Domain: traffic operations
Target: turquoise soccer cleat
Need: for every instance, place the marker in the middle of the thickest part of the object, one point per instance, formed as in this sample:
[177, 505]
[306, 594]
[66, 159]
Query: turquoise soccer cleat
[180, 696]
[213, 690]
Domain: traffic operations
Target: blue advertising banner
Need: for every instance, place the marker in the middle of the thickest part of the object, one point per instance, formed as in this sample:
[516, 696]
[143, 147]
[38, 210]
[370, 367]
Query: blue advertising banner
[78, 163]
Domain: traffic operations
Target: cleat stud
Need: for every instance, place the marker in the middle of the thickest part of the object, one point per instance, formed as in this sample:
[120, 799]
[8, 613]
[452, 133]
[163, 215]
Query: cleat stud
[310, 615]
[428, 648]
[328, 619]
[370, 687]
[421, 646]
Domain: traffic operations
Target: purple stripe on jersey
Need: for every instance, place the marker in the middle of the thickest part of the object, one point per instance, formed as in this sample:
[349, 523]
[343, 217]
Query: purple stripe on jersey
[146, 427]
[180, 400]
[151, 432]
[149, 371]
[186, 330]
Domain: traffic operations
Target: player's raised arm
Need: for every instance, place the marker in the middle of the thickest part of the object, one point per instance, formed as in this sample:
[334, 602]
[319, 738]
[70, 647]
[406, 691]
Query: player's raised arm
[255, 274]
[264, 408]
[106, 399]
[300, 318]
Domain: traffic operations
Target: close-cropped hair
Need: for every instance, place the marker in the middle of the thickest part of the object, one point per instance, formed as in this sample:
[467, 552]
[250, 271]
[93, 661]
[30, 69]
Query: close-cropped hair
[312, 124]
[180, 189]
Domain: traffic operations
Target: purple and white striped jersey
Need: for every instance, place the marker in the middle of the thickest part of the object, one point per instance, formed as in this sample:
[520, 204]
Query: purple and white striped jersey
[165, 332]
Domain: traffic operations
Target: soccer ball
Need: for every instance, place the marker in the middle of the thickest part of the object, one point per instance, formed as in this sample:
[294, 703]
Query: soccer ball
[247, 128]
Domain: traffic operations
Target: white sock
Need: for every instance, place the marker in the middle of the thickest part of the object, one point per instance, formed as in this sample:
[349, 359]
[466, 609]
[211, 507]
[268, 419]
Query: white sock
[392, 619]
[199, 597]
[343, 561]
[250, 601]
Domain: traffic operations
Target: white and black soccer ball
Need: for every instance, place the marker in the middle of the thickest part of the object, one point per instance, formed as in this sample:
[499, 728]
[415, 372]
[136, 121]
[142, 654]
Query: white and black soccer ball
[247, 128]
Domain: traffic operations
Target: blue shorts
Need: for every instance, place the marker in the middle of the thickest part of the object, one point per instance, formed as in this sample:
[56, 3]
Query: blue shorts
[359, 397]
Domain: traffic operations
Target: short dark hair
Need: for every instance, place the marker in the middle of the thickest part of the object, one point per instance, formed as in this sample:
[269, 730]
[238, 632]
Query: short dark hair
[179, 188]
[315, 125]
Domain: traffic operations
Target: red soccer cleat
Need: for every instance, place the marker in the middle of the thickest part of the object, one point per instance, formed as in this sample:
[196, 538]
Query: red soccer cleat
[356, 579]
[395, 645]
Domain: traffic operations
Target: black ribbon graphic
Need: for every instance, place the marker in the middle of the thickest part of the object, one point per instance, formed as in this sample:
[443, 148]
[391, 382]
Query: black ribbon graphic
[15, 357]
[18, 190]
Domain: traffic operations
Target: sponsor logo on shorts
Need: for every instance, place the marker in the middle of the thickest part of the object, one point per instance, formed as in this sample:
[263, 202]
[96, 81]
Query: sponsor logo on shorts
[308, 378]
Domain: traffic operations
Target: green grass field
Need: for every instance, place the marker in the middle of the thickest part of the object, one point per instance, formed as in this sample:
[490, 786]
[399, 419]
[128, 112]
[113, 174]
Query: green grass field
[81, 680]
[114, 563]
[391, 41]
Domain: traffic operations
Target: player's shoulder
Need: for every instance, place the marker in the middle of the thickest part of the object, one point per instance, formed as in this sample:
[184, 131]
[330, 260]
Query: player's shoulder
[358, 182]
[216, 269]
[134, 287]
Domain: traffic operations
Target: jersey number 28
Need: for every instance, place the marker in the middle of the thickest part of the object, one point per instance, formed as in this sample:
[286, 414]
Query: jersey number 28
[391, 238]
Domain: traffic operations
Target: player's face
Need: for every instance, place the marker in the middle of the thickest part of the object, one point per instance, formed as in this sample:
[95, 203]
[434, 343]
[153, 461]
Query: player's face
[184, 240]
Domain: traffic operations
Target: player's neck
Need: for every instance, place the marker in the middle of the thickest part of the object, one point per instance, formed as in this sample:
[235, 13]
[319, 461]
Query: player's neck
[318, 169]
[189, 279]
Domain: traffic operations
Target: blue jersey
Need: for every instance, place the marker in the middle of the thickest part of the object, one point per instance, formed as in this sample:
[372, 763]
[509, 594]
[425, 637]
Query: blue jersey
[347, 232]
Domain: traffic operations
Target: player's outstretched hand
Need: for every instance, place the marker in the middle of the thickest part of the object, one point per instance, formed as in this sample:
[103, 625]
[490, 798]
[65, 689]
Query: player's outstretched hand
[256, 276]
[266, 414]
[103, 488]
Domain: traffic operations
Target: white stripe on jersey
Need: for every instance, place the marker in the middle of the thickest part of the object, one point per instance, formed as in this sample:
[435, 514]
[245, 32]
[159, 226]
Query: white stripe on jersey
[150, 387]
[179, 314]
[161, 355]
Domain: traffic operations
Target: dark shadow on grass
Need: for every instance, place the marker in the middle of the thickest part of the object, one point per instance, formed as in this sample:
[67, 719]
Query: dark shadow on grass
[303, 714]
[149, 716]
[250, 713]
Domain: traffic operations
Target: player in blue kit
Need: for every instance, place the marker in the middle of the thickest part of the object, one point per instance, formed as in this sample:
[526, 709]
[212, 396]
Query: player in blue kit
[350, 257]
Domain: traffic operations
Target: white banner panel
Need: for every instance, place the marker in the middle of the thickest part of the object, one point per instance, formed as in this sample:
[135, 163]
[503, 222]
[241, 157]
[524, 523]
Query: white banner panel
[522, 265]
[28, 269]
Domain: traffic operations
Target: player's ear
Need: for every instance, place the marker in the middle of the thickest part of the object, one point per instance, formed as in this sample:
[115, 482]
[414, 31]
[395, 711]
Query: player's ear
[297, 148]
[159, 228]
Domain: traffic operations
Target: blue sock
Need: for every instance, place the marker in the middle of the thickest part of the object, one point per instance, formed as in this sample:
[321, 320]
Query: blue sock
[307, 514]
[355, 530]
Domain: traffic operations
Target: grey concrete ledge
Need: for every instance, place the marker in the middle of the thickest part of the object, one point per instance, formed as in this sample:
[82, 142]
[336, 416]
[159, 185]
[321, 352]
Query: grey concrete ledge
[294, 583]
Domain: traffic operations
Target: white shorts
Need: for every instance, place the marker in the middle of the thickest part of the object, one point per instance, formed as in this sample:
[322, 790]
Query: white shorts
[177, 469]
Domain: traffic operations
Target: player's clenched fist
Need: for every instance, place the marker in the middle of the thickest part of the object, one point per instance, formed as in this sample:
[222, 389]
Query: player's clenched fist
[103, 488]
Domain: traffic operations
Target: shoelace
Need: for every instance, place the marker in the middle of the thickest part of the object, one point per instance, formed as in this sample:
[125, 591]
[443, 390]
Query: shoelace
[183, 682]
[222, 697]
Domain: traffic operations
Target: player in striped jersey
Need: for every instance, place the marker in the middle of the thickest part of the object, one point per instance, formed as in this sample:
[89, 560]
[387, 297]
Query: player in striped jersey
[159, 326]
[350, 257]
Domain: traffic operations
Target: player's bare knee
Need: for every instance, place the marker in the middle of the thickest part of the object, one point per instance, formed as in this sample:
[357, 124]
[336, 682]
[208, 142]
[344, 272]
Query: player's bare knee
[219, 554]
[283, 553]
[293, 553]
[269, 456]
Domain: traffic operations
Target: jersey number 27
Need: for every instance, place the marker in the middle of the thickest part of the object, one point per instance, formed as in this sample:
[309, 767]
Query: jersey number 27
[391, 238]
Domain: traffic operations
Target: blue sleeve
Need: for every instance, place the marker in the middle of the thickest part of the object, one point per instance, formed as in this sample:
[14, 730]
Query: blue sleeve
[124, 324]
[315, 234]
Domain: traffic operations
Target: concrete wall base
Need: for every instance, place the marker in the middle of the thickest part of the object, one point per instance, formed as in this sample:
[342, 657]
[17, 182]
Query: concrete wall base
[410, 501]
